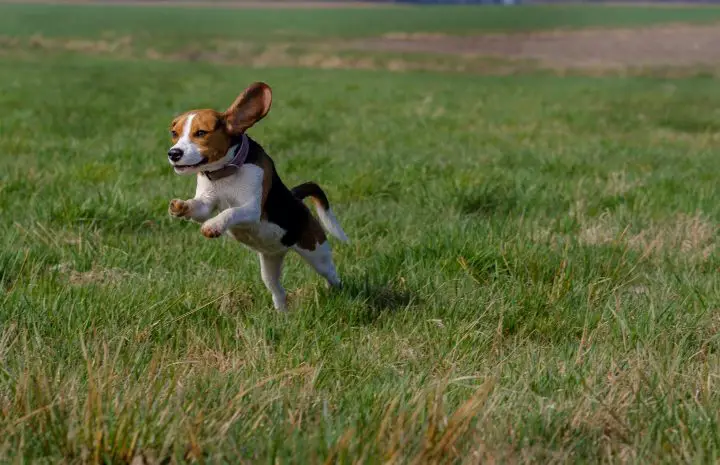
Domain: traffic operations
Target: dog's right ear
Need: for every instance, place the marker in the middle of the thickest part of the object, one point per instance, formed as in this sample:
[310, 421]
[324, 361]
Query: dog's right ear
[250, 107]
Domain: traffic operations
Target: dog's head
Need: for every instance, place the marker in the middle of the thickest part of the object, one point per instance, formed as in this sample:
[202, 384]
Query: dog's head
[202, 138]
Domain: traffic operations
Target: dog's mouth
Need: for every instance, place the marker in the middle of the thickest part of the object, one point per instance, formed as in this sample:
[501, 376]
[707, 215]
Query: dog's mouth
[184, 167]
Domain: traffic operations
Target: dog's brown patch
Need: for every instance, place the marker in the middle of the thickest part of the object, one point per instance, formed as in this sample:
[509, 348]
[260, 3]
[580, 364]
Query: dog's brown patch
[312, 235]
[215, 142]
[176, 127]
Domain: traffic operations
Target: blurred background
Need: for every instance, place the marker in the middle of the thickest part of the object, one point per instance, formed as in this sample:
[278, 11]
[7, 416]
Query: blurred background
[593, 37]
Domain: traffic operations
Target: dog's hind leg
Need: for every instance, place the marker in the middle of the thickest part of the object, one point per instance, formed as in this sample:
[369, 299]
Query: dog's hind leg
[271, 271]
[321, 261]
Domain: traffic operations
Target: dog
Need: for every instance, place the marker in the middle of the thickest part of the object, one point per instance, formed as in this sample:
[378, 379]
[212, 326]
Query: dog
[236, 177]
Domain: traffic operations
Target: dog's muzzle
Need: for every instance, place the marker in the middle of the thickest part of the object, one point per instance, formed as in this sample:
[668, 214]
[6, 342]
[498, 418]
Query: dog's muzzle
[175, 154]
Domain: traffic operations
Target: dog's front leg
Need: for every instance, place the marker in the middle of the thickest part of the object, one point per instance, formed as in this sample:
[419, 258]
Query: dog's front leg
[200, 207]
[197, 209]
[246, 215]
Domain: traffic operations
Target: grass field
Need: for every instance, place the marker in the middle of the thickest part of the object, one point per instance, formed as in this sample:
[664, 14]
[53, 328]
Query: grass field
[532, 274]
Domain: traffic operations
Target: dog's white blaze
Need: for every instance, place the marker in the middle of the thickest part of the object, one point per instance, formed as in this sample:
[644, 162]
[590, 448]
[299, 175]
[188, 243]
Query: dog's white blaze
[185, 136]
[191, 152]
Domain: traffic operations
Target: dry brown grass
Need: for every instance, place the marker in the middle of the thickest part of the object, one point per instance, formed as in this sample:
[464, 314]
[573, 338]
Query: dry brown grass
[104, 276]
[106, 412]
[691, 237]
[668, 51]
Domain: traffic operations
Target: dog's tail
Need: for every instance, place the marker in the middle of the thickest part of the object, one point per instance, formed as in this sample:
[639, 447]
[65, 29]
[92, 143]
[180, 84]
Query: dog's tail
[327, 218]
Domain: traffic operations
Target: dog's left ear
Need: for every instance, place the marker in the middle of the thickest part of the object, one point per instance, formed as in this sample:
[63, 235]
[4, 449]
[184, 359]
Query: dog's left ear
[250, 107]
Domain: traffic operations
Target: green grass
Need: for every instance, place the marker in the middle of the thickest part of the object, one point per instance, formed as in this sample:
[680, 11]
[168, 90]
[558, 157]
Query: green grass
[189, 25]
[532, 275]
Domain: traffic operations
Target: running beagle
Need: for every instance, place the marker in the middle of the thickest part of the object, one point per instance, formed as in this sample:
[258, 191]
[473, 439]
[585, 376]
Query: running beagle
[236, 177]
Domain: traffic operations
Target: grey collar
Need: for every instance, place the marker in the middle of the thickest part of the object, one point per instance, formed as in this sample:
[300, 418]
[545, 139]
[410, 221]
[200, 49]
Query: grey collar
[241, 153]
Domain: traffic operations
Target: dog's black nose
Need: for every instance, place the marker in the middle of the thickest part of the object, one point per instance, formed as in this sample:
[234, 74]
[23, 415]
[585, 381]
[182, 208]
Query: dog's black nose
[175, 154]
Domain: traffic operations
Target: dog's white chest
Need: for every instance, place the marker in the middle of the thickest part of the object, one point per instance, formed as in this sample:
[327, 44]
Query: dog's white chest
[241, 190]
[238, 190]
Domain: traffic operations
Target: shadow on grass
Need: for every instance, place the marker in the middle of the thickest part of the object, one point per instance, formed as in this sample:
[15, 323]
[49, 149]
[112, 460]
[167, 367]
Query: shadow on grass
[487, 200]
[376, 299]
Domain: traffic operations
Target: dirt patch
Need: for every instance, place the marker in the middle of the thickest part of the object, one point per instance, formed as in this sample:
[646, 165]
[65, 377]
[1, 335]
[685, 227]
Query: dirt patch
[675, 45]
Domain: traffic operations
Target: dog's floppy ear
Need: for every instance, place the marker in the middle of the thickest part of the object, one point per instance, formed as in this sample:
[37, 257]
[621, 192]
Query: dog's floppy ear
[250, 107]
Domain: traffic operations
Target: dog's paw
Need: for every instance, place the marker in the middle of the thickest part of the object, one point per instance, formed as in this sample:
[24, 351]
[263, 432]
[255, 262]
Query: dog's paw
[280, 303]
[211, 230]
[178, 208]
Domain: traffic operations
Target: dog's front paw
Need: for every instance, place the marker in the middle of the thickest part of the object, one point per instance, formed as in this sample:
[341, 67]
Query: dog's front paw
[211, 230]
[178, 208]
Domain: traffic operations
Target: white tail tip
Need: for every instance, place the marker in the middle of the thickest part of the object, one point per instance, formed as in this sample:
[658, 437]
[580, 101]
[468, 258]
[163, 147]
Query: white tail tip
[331, 224]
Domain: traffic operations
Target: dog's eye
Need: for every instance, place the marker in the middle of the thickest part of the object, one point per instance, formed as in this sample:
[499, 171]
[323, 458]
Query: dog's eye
[174, 134]
[200, 133]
